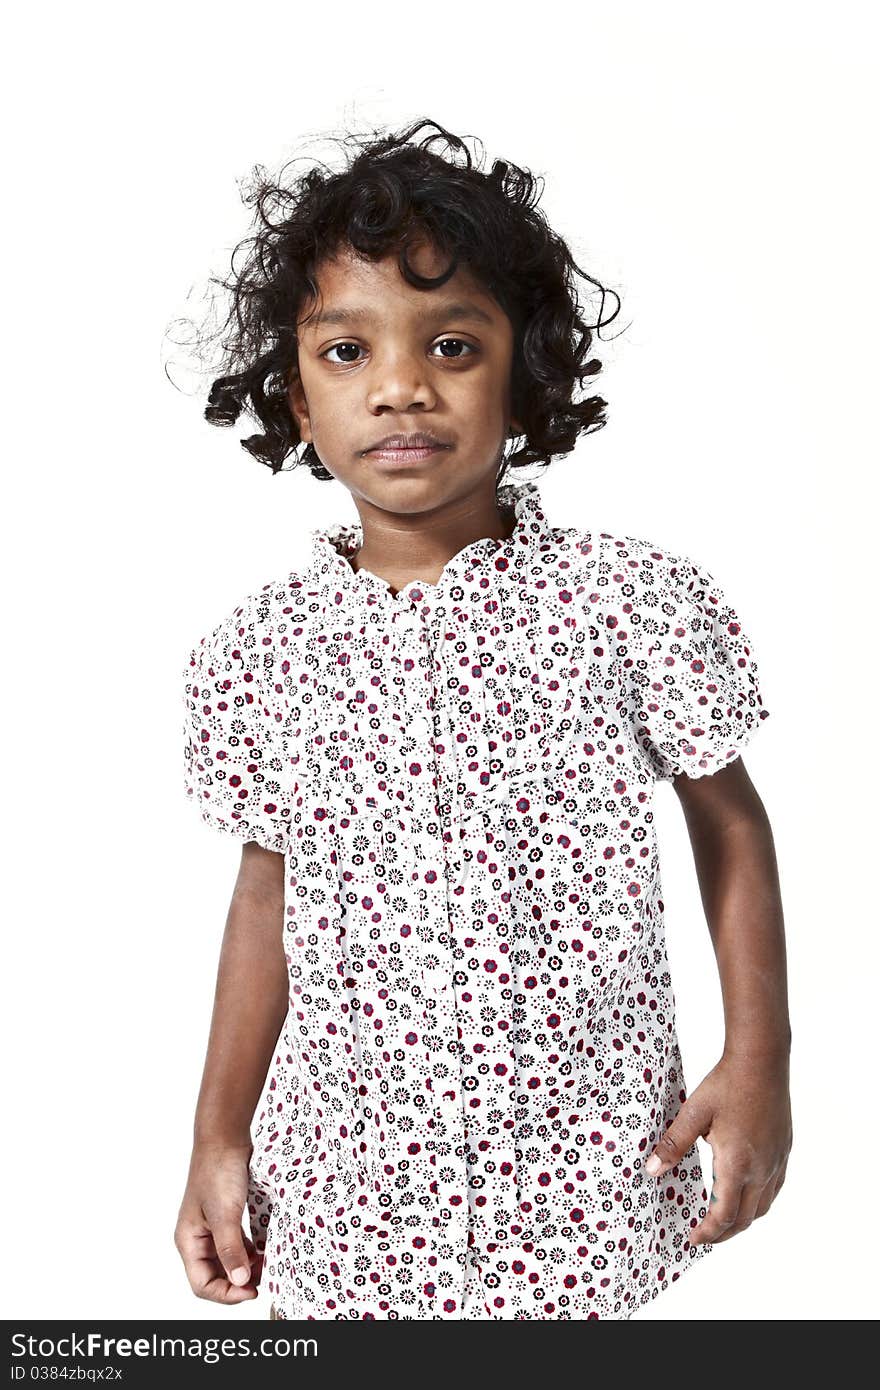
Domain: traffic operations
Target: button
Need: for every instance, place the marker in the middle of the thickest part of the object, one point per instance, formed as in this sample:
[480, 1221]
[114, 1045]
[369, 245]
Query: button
[419, 727]
[448, 1101]
[437, 981]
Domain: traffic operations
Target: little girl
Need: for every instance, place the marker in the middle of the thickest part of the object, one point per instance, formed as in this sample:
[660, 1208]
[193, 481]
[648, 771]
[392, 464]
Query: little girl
[444, 992]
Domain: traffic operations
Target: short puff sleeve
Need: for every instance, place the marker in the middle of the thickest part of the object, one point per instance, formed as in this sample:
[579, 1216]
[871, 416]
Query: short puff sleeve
[234, 755]
[692, 697]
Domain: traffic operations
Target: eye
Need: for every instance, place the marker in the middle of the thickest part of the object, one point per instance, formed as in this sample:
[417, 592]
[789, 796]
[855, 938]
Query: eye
[460, 341]
[336, 347]
[443, 343]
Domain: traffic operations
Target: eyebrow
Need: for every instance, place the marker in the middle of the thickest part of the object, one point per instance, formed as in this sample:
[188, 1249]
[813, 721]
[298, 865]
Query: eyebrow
[460, 309]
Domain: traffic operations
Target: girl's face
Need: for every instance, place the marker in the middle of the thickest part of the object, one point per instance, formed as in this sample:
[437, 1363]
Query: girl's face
[378, 357]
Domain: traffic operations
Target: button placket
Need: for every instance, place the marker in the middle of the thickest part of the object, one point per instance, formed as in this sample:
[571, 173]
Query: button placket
[414, 638]
[442, 852]
[413, 641]
[419, 728]
[469, 814]
[435, 981]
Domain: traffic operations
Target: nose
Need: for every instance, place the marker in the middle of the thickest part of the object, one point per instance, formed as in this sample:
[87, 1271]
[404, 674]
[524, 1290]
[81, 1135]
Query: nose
[398, 381]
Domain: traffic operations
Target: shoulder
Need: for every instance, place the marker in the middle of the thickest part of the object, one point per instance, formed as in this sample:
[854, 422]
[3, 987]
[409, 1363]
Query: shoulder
[645, 562]
[265, 624]
[635, 588]
[283, 608]
[629, 566]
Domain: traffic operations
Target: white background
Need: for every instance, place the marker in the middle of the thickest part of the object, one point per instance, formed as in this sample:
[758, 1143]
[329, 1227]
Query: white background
[716, 168]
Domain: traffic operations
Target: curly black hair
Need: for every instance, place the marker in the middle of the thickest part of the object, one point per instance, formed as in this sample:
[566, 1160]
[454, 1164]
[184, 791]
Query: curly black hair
[393, 191]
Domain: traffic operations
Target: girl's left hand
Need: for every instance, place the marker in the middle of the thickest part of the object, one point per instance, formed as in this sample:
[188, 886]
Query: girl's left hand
[742, 1107]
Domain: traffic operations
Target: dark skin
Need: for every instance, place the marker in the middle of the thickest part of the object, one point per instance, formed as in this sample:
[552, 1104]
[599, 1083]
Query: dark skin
[410, 364]
[742, 1107]
[357, 380]
[250, 1006]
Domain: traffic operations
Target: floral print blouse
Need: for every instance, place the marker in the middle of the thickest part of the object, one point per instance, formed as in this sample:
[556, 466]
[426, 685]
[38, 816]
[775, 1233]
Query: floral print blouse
[480, 1048]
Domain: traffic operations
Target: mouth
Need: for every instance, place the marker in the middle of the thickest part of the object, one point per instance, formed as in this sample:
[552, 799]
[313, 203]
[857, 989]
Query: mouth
[400, 455]
[402, 449]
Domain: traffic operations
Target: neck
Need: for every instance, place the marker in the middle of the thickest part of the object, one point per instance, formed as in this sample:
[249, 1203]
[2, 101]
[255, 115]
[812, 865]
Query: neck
[400, 548]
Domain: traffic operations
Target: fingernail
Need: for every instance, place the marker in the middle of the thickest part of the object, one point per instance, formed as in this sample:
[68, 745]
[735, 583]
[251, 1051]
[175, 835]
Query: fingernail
[654, 1164]
[240, 1275]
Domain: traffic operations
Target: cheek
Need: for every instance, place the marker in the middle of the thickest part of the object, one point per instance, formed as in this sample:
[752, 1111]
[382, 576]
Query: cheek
[484, 391]
[330, 412]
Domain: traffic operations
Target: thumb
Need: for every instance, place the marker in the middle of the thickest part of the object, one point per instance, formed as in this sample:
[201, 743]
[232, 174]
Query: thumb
[679, 1137]
[230, 1247]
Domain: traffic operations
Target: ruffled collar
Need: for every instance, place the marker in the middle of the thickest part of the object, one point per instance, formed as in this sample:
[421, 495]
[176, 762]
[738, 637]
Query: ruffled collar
[332, 548]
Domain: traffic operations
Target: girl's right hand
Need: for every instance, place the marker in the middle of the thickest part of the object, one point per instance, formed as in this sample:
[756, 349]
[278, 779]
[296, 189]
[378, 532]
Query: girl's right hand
[221, 1262]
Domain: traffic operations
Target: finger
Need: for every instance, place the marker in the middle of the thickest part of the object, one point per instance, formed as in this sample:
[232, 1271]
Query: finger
[230, 1247]
[209, 1281]
[767, 1197]
[724, 1200]
[679, 1138]
[206, 1275]
[751, 1196]
[256, 1258]
[777, 1185]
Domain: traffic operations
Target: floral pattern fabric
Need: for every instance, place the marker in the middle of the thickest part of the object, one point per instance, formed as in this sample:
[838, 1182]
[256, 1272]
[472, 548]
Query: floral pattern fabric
[480, 1049]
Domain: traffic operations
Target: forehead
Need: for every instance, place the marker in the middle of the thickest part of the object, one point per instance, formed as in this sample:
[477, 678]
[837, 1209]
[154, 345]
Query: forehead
[347, 281]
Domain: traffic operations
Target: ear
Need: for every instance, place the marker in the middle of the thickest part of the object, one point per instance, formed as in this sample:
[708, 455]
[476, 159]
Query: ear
[299, 406]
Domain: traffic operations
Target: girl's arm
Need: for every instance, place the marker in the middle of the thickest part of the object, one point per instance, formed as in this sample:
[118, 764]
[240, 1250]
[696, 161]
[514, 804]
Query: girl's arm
[250, 1005]
[742, 1107]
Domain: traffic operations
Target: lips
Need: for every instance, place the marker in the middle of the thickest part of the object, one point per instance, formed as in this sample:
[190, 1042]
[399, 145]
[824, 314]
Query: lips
[406, 443]
[408, 455]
